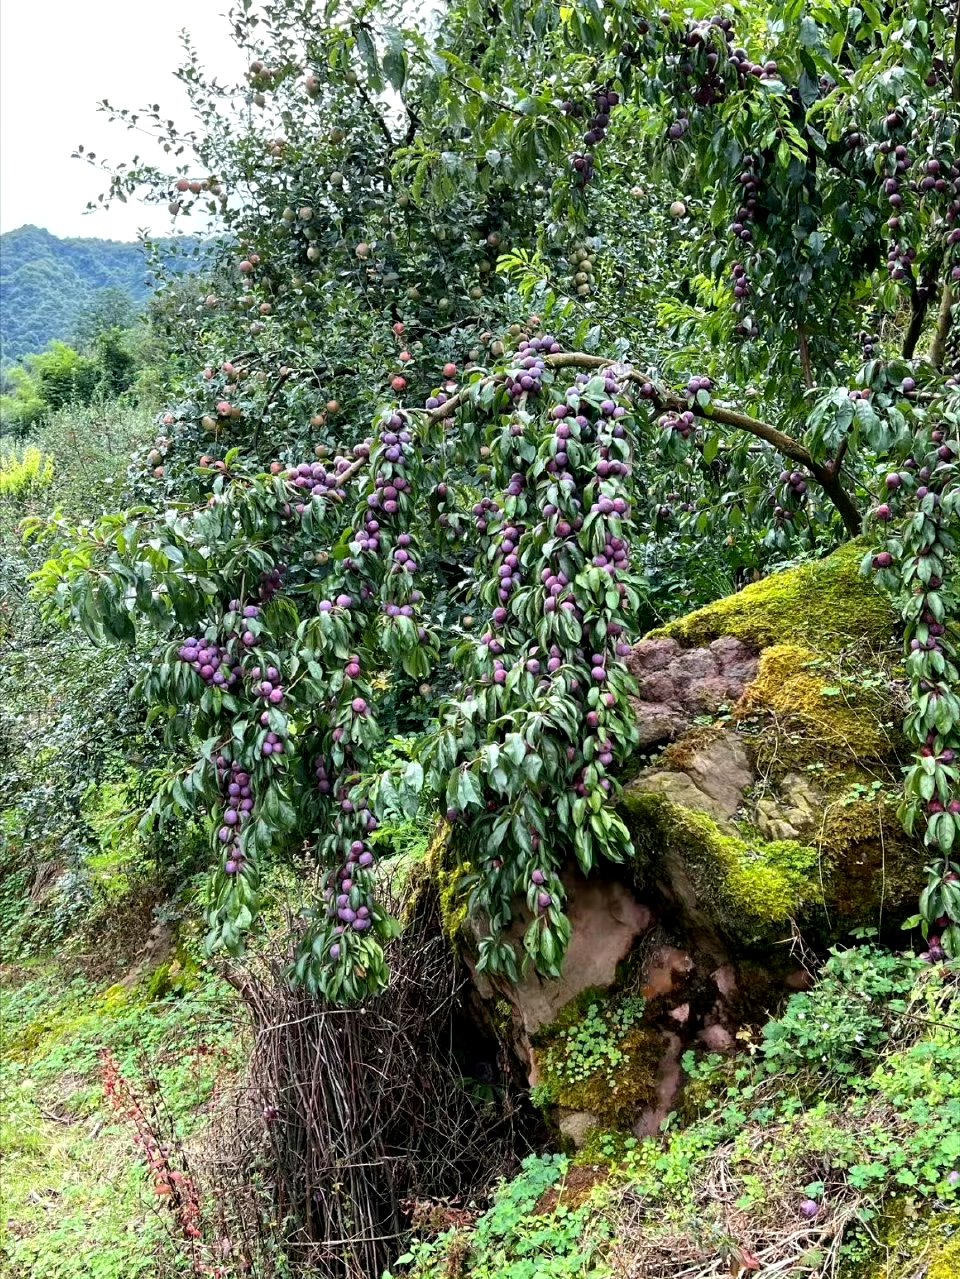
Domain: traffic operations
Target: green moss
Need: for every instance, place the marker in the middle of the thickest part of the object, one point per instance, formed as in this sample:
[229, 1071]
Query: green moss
[945, 1263]
[449, 878]
[596, 1057]
[749, 886]
[816, 713]
[826, 605]
[439, 873]
[617, 1099]
[604, 1146]
[911, 1242]
[177, 976]
[869, 865]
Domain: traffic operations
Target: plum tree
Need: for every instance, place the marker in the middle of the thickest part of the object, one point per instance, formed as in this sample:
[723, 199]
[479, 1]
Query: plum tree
[752, 347]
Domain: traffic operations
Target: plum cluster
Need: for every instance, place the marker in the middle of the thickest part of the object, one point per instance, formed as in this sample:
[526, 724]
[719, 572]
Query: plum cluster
[343, 601]
[348, 895]
[312, 479]
[324, 784]
[583, 264]
[741, 285]
[793, 483]
[604, 100]
[212, 662]
[740, 227]
[932, 178]
[236, 789]
[531, 352]
[403, 561]
[558, 593]
[486, 510]
[683, 424]
[700, 72]
[394, 448]
[697, 384]
[746, 69]
[267, 685]
[271, 580]
[507, 561]
[870, 344]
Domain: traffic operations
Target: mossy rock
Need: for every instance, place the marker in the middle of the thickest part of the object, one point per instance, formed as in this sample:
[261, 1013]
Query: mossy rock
[622, 1085]
[914, 1242]
[827, 606]
[869, 865]
[438, 872]
[945, 1263]
[818, 714]
[748, 887]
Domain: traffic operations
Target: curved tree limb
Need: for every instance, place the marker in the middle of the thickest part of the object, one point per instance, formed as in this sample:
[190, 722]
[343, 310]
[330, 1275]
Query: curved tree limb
[827, 475]
[920, 295]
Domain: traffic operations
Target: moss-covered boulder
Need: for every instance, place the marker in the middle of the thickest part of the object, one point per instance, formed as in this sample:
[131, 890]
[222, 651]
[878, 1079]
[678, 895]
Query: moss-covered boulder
[764, 820]
[782, 812]
[827, 606]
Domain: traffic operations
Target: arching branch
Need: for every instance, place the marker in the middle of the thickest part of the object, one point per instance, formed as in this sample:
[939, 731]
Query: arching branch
[826, 474]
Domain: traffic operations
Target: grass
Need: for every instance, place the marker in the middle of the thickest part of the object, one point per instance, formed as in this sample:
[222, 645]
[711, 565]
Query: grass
[74, 1201]
[866, 1131]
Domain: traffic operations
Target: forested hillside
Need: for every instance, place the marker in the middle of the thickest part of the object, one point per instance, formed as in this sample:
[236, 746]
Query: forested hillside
[48, 284]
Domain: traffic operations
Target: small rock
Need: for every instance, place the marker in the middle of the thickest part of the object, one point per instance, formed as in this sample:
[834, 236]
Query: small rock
[652, 655]
[577, 1125]
[716, 1038]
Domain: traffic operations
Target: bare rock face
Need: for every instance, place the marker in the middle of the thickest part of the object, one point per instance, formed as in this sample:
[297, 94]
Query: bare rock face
[792, 812]
[675, 685]
[606, 921]
[713, 778]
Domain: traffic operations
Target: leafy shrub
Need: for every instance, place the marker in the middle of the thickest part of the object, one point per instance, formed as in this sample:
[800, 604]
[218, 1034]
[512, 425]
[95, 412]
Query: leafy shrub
[25, 474]
[514, 1240]
[592, 1044]
[845, 1020]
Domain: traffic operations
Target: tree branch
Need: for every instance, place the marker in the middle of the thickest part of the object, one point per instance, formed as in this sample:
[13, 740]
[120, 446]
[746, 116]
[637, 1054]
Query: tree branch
[920, 296]
[805, 357]
[938, 346]
[827, 474]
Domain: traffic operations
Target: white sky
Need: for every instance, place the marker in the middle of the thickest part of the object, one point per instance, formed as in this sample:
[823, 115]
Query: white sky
[58, 58]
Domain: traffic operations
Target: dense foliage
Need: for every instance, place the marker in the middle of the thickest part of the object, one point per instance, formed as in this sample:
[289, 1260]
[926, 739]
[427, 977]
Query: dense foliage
[741, 236]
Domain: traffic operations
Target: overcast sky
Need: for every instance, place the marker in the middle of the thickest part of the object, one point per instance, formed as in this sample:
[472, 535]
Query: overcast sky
[58, 58]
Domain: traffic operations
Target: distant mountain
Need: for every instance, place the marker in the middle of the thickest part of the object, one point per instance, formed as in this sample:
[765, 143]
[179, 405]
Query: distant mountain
[47, 284]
